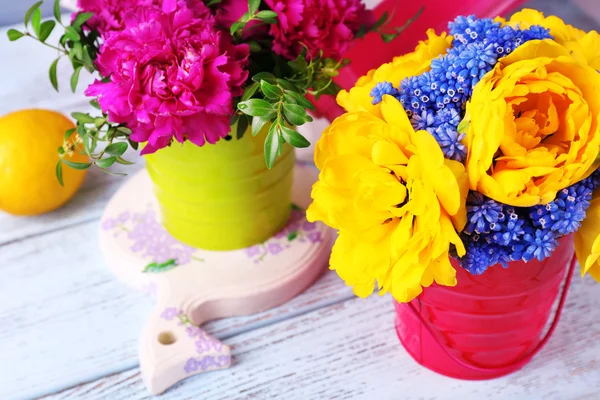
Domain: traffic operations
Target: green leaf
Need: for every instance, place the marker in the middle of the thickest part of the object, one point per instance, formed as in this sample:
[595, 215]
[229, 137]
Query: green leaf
[87, 145]
[254, 46]
[78, 50]
[271, 146]
[281, 142]
[257, 108]
[236, 26]
[123, 161]
[250, 90]
[72, 34]
[31, 11]
[213, 2]
[59, 173]
[124, 130]
[257, 125]
[299, 64]
[271, 91]
[57, 11]
[292, 137]
[116, 149]
[295, 114]
[75, 78]
[380, 21]
[87, 60]
[463, 125]
[94, 103]
[52, 74]
[388, 37]
[14, 34]
[242, 126]
[46, 30]
[266, 15]
[301, 100]
[77, 165]
[134, 145]
[106, 162]
[36, 20]
[81, 19]
[155, 267]
[83, 118]
[68, 134]
[287, 85]
[292, 235]
[98, 122]
[361, 32]
[253, 6]
[265, 76]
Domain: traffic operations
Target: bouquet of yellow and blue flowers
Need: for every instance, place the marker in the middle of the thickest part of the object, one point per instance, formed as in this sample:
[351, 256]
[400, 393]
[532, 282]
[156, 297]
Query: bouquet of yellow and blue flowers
[481, 145]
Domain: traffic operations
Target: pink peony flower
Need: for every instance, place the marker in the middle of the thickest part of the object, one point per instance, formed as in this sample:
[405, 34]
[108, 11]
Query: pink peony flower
[172, 76]
[328, 25]
[109, 15]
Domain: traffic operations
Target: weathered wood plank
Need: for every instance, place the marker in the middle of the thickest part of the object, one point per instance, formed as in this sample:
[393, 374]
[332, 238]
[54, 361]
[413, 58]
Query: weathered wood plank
[350, 350]
[65, 319]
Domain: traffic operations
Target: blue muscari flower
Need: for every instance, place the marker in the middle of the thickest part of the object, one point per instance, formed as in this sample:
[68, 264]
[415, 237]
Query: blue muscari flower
[476, 260]
[565, 214]
[510, 232]
[470, 29]
[447, 116]
[450, 142]
[481, 212]
[446, 88]
[539, 245]
[423, 120]
[381, 89]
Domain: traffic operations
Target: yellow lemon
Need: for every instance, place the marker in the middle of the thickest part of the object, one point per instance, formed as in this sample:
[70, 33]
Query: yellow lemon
[29, 141]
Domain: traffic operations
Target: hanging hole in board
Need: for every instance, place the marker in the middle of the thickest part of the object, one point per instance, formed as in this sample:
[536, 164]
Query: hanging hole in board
[166, 338]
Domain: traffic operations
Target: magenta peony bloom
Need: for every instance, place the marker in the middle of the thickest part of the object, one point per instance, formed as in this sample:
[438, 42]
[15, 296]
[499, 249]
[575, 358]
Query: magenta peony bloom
[109, 15]
[328, 25]
[172, 76]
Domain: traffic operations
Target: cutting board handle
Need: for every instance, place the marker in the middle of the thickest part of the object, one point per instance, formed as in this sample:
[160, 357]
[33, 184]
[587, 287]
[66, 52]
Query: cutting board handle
[173, 347]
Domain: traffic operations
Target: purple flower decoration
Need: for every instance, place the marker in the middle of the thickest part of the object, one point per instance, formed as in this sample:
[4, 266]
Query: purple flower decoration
[274, 248]
[253, 251]
[109, 224]
[315, 237]
[171, 313]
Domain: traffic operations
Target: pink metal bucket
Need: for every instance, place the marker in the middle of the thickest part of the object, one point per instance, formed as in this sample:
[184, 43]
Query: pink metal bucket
[488, 325]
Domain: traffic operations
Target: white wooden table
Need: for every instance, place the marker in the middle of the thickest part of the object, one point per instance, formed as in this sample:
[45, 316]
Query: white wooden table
[69, 329]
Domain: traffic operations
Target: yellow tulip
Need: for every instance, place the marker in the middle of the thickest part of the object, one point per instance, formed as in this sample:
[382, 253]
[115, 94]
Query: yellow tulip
[585, 47]
[587, 240]
[412, 64]
[396, 202]
[534, 126]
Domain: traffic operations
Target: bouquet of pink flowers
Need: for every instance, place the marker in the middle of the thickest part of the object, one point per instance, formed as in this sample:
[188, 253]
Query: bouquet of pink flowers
[177, 70]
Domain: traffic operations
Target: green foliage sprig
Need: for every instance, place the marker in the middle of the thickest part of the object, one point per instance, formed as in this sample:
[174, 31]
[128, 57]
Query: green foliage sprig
[382, 24]
[77, 44]
[283, 103]
[91, 131]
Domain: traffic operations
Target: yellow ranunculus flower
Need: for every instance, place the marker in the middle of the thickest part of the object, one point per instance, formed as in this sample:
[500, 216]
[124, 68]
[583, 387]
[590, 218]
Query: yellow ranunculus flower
[396, 202]
[587, 240]
[412, 64]
[533, 125]
[584, 46]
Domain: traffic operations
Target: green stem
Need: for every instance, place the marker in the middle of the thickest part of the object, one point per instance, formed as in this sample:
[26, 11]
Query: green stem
[46, 44]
